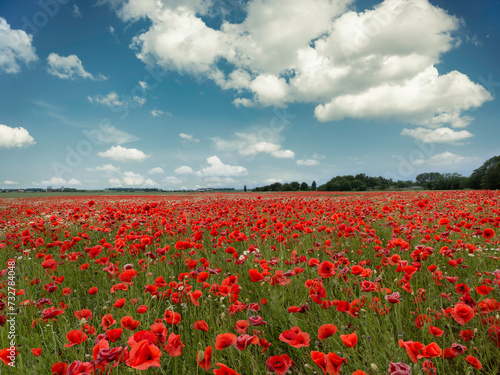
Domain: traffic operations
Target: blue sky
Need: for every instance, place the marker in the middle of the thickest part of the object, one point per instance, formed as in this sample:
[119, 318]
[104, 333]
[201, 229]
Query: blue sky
[185, 94]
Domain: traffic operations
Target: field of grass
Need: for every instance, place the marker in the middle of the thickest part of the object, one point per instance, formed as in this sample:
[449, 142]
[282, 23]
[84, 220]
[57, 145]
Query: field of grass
[306, 283]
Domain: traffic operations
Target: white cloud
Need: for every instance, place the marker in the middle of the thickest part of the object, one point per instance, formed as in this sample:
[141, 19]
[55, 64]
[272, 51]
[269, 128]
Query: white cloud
[318, 156]
[219, 181]
[139, 101]
[104, 168]
[123, 154]
[76, 11]
[188, 137]
[158, 113]
[110, 134]
[270, 181]
[184, 170]
[156, 170]
[15, 137]
[136, 9]
[439, 135]
[428, 98]
[111, 100]
[172, 180]
[143, 85]
[307, 162]
[267, 148]
[10, 182]
[69, 67]
[447, 159]
[59, 181]
[132, 179]
[253, 143]
[378, 63]
[15, 48]
[217, 168]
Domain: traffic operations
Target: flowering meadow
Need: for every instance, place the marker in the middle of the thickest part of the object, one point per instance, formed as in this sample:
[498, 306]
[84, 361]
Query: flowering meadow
[309, 283]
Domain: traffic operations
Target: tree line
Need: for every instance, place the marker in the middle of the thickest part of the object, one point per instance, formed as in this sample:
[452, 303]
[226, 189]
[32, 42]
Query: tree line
[486, 176]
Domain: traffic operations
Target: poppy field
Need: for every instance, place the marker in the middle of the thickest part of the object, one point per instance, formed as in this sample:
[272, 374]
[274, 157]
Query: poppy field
[306, 283]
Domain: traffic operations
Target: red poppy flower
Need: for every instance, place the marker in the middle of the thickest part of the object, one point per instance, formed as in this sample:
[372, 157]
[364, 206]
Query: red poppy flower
[172, 317]
[412, 349]
[129, 323]
[330, 364]
[326, 330]
[224, 340]
[204, 358]
[488, 233]
[142, 309]
[435, 331]
[484, 290]
[255, 276]
[127, 275]
[75, 337]
[201, 325]
[350, 340]
[144, 355]
[92, 290]
[430, 351]
[279, 364]
[474, 362]
[107, 321]
[83, 314]
[466, 335]
[37, 352]
[224, 370]
[79, 367]
[60, 368]
[119, 303]
[114, 334]
[462, 313]
[326, 269]
[241, 326]
[393, 297]
[174, 345]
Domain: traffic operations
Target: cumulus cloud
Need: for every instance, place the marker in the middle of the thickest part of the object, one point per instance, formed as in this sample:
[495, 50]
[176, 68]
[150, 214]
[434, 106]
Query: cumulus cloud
[15, 48]
[10, 182]
[135, 179]
[184, 170]
[156, 170]
[307, 162]
[15, 137]
[447, 159]
[216, 168]
[110, 100]
[123, 154]
[267, 148]
[377, 63]
[59, 181]
[188, 137]
[69, 67]
[110, 134]
[253, 143]
[158, 113]
[172, 180]
[104, 168]
[439, 135]
[273, 180]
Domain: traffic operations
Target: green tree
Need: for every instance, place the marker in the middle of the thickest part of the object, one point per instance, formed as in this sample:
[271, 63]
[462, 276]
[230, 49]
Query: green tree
[487, 175]
[313, 186]
[245, 188]
[304, 186]
[294, 186]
